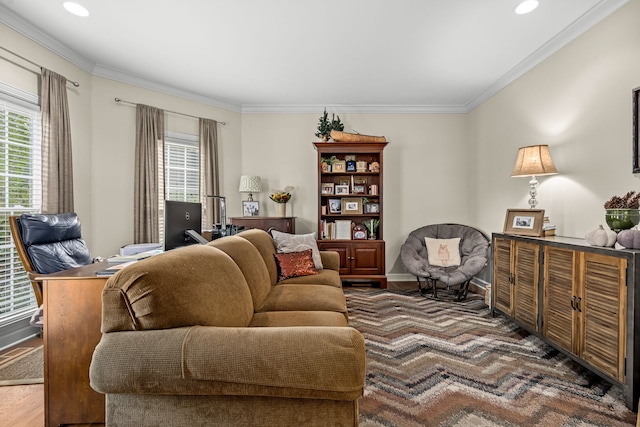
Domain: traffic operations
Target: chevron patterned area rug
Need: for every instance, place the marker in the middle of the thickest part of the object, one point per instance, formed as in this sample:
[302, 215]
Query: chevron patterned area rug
[439, 363]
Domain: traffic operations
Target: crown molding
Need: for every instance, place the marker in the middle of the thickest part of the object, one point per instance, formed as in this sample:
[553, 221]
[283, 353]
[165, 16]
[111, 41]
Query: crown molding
[583, 23]
[596, 14]
[116, 75]
[27, 29]
[355, 108]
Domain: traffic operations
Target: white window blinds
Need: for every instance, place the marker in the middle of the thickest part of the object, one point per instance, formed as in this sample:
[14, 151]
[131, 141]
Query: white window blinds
[182, 169]
[20, 192]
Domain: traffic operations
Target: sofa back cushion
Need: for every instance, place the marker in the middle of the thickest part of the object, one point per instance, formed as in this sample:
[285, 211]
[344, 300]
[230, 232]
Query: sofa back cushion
[193, 285]
[266, 246]
[248, 258]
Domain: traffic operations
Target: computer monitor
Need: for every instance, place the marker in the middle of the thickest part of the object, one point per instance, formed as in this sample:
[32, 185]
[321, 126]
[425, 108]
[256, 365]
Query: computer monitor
[182, 224]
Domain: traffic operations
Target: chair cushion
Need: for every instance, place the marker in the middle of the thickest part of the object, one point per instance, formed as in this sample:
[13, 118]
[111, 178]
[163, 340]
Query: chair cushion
[53, 241]
[443, 252]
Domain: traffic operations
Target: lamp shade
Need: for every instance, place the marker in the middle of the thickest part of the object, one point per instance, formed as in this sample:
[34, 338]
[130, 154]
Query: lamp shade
[534, 160]
[250, 184]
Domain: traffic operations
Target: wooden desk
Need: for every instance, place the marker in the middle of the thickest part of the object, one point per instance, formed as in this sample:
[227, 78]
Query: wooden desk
[283, 224]
[72, 317]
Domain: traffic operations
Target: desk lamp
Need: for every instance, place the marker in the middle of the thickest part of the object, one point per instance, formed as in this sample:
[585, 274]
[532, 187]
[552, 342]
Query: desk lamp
[534, 160]
[250, 184]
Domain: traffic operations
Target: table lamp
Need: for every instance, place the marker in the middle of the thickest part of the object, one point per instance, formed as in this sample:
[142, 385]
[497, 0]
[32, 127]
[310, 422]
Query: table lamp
[534, 160]
[250, 184]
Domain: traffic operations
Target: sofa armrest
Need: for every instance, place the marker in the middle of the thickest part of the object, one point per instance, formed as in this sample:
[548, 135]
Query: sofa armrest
[330, 260]
[306, 362]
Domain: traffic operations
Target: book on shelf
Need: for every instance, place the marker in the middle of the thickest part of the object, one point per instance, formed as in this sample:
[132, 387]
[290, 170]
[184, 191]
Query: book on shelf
[343, 229]
[339, 229]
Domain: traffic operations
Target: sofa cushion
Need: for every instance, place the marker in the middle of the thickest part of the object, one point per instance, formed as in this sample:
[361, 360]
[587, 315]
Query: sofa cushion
[286, 243]
[248, 258]
[298, 318]
[301, 297]
[324, 277]
[266, 246]
[193, 285]
[295, 264]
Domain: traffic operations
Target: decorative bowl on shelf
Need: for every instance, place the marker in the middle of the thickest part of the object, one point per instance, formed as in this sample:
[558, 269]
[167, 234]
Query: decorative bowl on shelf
[622, 219]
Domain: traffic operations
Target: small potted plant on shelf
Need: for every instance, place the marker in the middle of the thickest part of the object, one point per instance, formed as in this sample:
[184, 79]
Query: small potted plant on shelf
[372, 227]
[325, 126]
[622, 213]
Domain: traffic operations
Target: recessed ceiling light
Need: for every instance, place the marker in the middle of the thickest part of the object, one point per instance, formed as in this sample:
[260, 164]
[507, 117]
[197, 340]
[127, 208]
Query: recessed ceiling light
[526, 6]
[75, 8]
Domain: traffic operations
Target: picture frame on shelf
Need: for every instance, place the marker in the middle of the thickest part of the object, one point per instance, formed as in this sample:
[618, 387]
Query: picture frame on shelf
[335, 206]
[636, 130]
[372, 208]
[351, 205]
[359, 189]
[341, 189]
[339, 166]
[359, 232]
[327, 187]
[524, 222]
[360, 181]
[343, 182]
[250, 208]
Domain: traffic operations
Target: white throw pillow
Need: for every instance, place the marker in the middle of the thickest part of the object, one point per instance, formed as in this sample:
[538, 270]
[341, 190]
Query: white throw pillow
[286, 243]
[443, 252]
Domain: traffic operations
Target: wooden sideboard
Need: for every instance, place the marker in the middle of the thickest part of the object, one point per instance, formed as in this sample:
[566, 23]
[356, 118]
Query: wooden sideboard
[283, 224]
[72, 318]
[578, 298]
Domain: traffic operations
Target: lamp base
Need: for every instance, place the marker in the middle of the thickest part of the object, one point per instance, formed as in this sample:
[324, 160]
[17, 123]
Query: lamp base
[533, 192]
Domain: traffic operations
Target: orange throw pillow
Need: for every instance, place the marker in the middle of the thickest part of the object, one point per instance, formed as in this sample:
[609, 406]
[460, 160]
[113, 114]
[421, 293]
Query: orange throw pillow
[295, 264]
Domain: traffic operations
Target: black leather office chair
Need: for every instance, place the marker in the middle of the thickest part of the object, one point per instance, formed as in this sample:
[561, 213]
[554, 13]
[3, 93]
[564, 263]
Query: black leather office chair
[47, 243]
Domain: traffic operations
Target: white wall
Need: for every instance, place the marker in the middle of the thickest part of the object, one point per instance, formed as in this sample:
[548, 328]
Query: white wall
[112, 158]
[438, 167]
[579, 102]
[425, 168]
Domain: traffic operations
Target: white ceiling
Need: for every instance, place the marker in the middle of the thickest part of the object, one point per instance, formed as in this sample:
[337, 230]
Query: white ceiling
[296, 55]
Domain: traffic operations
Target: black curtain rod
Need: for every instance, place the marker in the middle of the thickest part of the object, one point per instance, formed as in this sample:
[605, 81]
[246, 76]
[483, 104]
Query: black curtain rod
[168, 111]
[76, 84]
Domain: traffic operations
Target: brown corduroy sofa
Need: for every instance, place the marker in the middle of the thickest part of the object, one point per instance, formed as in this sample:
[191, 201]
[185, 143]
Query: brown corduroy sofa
[206, 335]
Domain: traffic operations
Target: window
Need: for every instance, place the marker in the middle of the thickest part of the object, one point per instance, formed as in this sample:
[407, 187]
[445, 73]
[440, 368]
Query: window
[180, 168]
[20, 192]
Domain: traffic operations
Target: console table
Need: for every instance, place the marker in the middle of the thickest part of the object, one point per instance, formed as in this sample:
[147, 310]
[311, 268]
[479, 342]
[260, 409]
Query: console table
[578, 298]
[71, 331]
[283, 224]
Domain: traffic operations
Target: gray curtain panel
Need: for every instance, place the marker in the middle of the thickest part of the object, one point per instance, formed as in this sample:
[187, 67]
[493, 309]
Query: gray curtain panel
[57, 165]
[149, 146]
[209, 164]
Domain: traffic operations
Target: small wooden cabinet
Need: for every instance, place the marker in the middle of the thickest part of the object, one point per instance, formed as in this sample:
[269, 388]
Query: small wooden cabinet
[283, 224]
[516, 280]
[350, 193]
[359, 260]
[580, 299]
[71, 331]
[584, 306]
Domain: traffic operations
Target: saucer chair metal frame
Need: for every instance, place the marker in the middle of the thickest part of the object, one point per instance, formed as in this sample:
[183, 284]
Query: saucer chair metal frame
[474, 255]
